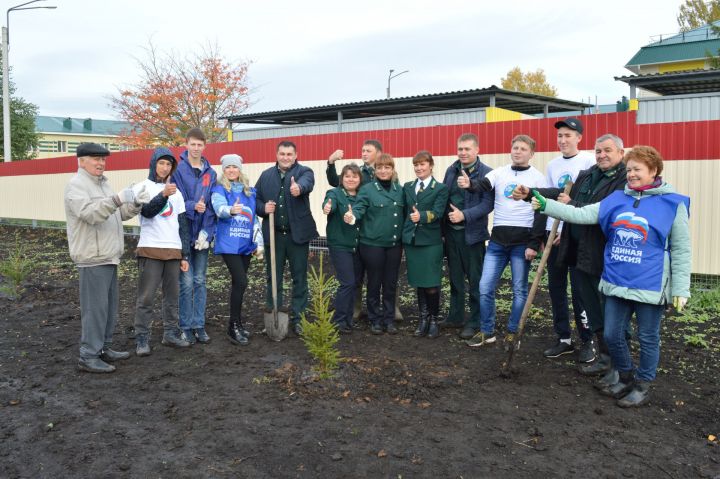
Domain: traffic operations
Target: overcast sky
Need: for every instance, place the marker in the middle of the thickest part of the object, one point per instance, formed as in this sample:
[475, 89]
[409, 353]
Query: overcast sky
[69, 60]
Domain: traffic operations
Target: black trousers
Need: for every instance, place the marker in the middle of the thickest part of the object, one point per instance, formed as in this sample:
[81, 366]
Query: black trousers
[238, 266]
[381, 265]
[592, 299]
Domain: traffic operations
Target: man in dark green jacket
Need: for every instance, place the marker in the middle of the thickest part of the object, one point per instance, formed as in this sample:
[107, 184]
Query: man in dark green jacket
[284, 191]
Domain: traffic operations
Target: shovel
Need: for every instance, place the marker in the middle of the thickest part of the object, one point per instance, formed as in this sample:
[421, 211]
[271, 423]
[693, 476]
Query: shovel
[276, 322]
[506, 370]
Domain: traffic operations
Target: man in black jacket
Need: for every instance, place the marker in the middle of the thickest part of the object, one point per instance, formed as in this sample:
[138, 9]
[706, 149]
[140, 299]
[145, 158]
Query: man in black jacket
[584, 245]
[465, 229]
[284, 190]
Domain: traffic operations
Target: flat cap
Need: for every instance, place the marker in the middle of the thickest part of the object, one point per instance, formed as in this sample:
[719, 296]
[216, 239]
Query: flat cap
[92, 149]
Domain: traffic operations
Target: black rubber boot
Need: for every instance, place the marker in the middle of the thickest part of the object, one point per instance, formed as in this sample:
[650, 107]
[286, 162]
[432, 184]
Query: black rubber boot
[235, 334]
[639, 395]
[600, 366]
[422, 327]
[432, 296]
[625, 384]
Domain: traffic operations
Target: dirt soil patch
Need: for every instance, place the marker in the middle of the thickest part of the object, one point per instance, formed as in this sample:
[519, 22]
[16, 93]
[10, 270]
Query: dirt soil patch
[398, 407]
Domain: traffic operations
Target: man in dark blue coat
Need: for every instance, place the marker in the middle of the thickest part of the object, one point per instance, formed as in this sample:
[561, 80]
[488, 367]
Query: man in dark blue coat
[284, 190]
[466, 230]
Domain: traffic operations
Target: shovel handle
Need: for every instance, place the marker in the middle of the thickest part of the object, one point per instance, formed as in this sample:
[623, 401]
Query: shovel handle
[273, 273]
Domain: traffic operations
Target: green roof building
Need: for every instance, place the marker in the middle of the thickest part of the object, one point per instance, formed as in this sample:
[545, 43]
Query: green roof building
[60, 136]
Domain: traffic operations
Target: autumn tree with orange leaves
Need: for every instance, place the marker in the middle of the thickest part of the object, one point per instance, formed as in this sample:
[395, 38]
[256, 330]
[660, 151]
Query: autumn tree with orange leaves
[177, 93]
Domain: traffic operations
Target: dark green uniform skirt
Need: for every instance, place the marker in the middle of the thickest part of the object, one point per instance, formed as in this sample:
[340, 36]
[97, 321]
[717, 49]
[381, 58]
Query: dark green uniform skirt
[424, 265]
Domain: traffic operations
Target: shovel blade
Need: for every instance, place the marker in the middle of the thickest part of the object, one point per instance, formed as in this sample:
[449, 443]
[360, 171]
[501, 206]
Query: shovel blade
[276, 325]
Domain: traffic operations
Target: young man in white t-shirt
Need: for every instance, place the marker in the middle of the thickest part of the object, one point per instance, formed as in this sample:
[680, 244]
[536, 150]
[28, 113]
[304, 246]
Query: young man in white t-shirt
[162, 252]
[559, 172]
[515, 239]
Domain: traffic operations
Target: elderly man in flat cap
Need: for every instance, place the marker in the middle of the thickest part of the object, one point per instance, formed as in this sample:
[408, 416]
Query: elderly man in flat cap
[94, 216]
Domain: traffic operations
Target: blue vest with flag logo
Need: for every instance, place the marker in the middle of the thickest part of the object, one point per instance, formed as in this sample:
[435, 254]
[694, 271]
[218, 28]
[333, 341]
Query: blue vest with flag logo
[637, 232]
[235, 234]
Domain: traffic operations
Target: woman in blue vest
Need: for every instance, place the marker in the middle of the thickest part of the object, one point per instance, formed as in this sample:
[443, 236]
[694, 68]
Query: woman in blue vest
[646, 265]
[238, 236]
[425, 203]
[343, 244]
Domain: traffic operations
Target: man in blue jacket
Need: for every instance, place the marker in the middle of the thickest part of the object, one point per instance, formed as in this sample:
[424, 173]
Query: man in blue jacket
[284, 190]
[466, 230]
[195, 178]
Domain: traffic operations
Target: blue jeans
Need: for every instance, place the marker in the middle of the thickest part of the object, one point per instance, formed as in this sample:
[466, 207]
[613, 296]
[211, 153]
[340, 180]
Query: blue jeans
[193, 293]
[496, 259]
[617, 318]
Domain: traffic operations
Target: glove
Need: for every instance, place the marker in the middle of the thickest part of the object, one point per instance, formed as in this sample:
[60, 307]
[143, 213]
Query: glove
[126, 195]
[538, 202]
[142, 196]
[202, 243]
[679, 303]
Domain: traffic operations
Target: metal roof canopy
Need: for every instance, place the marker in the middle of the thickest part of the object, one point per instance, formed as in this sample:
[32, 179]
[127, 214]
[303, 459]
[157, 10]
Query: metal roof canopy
[485, 97]
[676, 83]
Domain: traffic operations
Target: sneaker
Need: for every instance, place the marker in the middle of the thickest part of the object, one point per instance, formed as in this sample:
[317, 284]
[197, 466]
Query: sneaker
[189, 336]
[509, 341]
[202, 335]
[559, 349]
[586, 353]
[174, 340]
[109, 355]
[143, 345]
[481, 339]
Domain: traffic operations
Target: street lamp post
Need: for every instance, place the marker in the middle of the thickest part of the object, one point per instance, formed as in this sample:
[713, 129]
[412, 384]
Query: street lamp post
[391, 76]
[7, 145]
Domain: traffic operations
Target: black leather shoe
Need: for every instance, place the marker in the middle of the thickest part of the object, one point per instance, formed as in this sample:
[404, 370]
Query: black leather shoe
[95, 365]
[236, 336]
[433, 329]
[297, 329]
[391, 328]
[109, 355]
[422, 327]
[468, 332]
[376, 329]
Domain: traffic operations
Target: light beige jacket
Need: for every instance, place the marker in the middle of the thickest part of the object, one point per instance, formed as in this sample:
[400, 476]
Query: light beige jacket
[94, 221]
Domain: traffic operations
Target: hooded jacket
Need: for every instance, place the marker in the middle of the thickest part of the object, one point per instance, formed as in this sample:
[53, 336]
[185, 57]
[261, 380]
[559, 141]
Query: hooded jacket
[158, 203]
[195, 184]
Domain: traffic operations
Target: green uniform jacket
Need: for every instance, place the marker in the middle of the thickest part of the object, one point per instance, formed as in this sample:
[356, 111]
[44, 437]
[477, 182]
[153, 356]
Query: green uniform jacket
[341, 235]
[381, 213]
[431, 204]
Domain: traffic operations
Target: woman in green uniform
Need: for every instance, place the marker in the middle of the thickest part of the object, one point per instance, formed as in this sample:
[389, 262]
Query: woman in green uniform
[379, 205]
[425, 202]
[343, 244]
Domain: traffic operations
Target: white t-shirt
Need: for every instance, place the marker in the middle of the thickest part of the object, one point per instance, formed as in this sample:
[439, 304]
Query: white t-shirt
[509, 212]
[162, 230]
[560, 170]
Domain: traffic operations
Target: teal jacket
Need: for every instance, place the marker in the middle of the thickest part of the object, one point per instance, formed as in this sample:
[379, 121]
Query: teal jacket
[341, 235]
[381, 213]
[431, 204]
[678, 255]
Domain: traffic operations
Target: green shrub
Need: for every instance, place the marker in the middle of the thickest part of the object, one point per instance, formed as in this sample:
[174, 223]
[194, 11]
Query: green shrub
[15, 269]
[321, 335]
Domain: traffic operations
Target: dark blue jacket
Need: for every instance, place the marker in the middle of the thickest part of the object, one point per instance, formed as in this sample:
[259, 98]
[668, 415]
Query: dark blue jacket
[302, 224]
[194, 184]
[477, 205]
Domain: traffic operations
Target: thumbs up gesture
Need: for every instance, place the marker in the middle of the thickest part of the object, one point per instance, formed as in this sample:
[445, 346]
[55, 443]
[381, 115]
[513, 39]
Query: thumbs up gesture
[348, 217]
[520, 192]
[328, 206]
[200, 205]
[294, 187]
[337, 155]
[463, 180]
[236, 207]
[415, 215]
[455, 215]
[169, 190]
